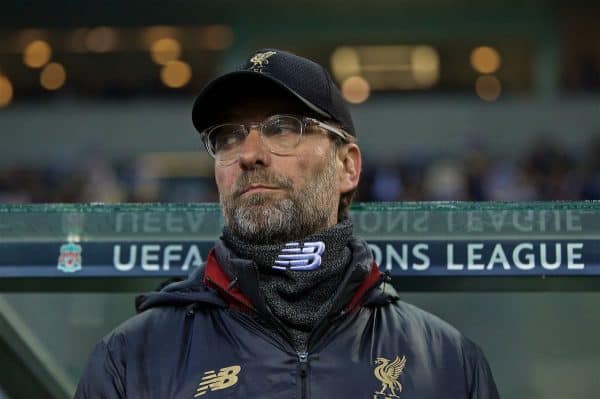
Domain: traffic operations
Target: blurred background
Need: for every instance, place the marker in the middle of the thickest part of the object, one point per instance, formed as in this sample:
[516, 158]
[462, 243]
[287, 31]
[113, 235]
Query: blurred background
[453, 100]
[456, 100]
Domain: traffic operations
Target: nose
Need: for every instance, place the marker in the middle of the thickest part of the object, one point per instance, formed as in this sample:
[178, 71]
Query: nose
[253, 151]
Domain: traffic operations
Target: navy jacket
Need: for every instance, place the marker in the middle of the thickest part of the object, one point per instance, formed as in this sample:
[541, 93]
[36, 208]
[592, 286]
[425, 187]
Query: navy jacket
[203, 338]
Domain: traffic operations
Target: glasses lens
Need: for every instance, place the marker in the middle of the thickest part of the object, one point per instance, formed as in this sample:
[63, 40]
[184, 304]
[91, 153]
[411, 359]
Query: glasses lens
[225, 140]
[282, 133]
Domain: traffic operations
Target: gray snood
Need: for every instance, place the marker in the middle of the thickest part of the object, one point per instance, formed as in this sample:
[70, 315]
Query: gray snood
[299, 299]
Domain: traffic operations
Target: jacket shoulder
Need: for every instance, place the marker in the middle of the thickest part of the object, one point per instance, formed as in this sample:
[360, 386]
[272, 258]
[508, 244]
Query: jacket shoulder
[189, 292]
[106, 371]
[415, 318]
[131, 333]
[408, 318]
[444, 341]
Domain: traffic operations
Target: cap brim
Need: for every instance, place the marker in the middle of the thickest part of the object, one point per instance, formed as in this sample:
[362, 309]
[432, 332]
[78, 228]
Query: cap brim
[230, 84]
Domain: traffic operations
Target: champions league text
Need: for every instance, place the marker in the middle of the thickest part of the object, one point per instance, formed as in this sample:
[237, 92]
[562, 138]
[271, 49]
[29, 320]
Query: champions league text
[417, 242]
[481, 257]
[403, 242]
[399, 258]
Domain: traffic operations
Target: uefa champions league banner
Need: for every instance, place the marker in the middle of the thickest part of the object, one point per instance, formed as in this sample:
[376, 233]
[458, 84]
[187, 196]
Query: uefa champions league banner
[418, 239]
[399, 258]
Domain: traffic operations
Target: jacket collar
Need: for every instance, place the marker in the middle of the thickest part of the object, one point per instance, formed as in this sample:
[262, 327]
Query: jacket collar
[242, 291]
[210, 285]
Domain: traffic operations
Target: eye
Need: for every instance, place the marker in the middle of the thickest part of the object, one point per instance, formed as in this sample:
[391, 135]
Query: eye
[226, 137]
[282, 126]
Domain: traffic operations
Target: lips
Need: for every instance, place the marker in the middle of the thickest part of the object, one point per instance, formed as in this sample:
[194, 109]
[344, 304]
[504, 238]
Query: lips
[259, 180]
[257, 187]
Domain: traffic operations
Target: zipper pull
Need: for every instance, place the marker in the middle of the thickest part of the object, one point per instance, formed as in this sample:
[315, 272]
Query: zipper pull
[303, 361]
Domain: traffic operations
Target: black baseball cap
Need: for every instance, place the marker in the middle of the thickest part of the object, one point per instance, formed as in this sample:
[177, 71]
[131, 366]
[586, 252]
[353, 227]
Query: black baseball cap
[287, 74]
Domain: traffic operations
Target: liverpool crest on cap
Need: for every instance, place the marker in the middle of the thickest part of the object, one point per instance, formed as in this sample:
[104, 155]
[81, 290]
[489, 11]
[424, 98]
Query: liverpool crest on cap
[260, 60]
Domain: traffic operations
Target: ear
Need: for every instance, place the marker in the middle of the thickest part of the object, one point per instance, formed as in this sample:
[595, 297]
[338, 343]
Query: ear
[349, 160]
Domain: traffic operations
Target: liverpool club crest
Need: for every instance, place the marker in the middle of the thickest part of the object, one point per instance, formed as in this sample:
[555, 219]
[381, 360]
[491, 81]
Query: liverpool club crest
[260, 60]
[387, 372]
[69, 260]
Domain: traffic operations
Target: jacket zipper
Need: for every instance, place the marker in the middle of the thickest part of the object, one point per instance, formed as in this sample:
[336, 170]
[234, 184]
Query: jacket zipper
[317, 334]
[303, 372]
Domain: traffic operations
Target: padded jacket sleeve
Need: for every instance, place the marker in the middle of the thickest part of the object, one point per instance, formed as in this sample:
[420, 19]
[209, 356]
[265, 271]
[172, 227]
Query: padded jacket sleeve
[480, 382]
[103, 375]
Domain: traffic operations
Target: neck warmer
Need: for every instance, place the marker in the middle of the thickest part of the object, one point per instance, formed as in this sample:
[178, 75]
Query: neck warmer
[299, 299]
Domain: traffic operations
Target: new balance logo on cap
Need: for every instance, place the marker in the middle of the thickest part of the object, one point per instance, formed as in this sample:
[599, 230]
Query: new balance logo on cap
[298, 257]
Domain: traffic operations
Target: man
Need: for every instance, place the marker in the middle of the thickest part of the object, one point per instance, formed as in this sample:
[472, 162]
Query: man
[289, 303]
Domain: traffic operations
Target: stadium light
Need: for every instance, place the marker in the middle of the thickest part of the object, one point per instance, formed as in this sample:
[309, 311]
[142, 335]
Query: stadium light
[488, 87]
[37, 54]
[53, 76]
[176, 74]
[356, 90]
[165, 50]
[485, 59]
[6, 91]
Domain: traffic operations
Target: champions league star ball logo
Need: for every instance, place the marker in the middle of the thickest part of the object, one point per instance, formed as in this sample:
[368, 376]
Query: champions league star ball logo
[69, 260]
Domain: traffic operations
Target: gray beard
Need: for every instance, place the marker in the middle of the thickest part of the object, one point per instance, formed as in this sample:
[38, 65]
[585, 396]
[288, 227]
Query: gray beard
[262, 218]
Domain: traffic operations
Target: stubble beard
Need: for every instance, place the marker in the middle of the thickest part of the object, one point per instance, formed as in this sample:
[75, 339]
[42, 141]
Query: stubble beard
[270, 218]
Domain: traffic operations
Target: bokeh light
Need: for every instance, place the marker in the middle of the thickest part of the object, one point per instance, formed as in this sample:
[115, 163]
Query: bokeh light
[488, 87]
[152, 34]
[53, 76]
[216, 37]
[485, 59]
[101, 39]
[425, 63]
[37, 54]
[176, 74]
[345, 62]
[165, 50]
[356, 89]
[6, 91]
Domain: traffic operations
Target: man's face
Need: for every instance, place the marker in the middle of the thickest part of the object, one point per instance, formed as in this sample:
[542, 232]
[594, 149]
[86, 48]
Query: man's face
[269, 198]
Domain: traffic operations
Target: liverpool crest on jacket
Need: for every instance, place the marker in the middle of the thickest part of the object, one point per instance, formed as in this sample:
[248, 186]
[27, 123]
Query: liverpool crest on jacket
[387, 372]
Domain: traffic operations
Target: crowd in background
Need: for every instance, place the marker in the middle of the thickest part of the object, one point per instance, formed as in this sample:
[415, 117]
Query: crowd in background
[546, 170]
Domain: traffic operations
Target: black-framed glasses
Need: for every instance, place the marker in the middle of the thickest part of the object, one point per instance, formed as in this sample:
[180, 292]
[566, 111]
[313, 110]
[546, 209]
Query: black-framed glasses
[280, 134]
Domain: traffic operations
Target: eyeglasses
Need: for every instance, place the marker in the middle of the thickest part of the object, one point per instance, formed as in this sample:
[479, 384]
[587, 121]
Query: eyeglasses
[280, 134]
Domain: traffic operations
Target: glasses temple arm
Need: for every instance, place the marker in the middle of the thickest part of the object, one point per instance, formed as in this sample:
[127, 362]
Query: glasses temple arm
[339, 132]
